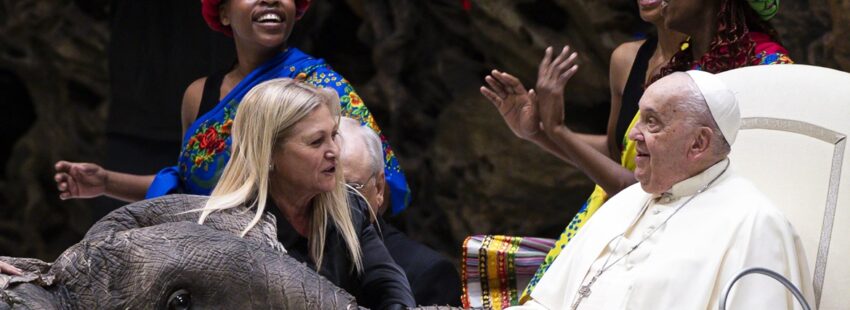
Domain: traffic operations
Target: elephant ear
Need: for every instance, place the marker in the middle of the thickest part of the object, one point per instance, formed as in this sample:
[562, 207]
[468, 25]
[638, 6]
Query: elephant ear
[184, 208]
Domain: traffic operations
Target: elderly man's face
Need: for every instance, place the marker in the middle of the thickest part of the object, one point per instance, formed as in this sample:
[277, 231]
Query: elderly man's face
[663, 136]
[358, 172]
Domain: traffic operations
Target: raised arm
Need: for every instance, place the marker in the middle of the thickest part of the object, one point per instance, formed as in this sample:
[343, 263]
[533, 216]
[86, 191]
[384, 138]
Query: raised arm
[516, 106]
[597, 164]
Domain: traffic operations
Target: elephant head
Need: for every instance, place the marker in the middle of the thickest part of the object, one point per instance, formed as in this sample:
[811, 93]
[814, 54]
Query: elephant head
[151, 255]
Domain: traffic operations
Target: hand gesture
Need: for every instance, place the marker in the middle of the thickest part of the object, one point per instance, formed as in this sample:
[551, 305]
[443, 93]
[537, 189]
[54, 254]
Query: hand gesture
[515, 104]
[79, 180]
[552, 77]
[9, 269]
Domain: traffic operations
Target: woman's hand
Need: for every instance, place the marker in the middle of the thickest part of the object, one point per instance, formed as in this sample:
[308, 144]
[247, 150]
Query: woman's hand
[552, 77]
[9, 269]
[515, 104]
[80, 180]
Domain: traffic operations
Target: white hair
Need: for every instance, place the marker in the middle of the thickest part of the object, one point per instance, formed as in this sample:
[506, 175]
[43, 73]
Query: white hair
[353, 128]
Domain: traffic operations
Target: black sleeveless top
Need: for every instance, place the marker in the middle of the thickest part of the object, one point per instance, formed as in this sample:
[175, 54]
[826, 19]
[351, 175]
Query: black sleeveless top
[634, 88]
[212, 91]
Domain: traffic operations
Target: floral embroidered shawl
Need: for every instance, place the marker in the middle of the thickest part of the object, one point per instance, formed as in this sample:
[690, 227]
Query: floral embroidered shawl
[206, 145]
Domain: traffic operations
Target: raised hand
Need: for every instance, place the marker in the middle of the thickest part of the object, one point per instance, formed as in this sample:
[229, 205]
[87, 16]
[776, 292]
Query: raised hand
[515, 104]
[552, 77]
[79, 180]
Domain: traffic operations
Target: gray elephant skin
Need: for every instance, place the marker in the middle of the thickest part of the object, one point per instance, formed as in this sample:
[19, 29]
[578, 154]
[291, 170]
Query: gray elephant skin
[152, 255]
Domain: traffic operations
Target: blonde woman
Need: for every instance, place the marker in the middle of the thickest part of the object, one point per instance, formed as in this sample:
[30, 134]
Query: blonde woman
[285, 161]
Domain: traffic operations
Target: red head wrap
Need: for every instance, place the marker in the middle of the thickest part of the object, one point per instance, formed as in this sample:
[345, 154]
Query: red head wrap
[209, 9]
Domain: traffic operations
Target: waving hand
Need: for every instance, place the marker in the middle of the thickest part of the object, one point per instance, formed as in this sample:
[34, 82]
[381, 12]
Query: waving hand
[514, 102]
[552, 77]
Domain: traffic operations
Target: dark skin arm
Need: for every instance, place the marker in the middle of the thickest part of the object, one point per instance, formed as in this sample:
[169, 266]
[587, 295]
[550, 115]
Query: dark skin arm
[88, 180]
[596, 155]
[517, 108]
[600, 167]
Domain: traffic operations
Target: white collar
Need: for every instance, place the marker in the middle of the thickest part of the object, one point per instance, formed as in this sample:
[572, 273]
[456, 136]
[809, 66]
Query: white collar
[693, 184]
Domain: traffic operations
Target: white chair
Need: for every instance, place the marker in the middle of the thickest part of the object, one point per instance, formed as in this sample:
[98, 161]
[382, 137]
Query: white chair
[792, 145]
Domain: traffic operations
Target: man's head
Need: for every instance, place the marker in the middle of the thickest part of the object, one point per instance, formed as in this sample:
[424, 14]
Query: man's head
[687, 123]
[363, 162]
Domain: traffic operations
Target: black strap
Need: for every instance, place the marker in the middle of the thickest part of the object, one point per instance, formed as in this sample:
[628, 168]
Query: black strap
[212, 92]
[634, 88]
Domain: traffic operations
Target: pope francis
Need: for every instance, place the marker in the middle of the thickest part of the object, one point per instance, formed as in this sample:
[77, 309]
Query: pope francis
[675, 240]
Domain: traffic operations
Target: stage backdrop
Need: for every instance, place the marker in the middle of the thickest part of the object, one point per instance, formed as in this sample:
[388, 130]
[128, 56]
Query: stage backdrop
[101, 81]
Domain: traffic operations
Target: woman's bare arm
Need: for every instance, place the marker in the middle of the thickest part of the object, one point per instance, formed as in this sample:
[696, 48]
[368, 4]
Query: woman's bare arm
[87, 180]
[598, 165]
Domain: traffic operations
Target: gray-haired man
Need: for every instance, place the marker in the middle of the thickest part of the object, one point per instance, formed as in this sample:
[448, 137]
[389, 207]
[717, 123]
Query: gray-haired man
[433, 279]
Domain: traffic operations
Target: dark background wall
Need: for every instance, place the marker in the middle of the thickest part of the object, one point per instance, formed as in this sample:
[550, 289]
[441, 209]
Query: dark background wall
[101, 81]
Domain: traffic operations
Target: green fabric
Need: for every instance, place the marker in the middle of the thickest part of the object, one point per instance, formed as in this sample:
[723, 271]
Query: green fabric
[766, 9]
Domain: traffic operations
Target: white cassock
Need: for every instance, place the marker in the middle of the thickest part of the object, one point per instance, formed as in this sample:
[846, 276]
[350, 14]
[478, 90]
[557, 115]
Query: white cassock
[685, 263]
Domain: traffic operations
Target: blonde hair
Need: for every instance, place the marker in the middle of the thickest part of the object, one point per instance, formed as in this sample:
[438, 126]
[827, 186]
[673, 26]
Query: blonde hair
[268, 112]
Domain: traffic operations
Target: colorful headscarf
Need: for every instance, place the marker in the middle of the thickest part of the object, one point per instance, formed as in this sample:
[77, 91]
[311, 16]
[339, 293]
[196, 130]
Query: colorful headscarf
[766, 9]
[209, 9]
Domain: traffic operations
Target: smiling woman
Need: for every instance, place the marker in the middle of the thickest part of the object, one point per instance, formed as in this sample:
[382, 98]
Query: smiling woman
[265, 25]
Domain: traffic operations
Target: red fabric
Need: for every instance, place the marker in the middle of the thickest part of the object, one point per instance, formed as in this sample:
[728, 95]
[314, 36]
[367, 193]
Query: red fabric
[209, 9]
[466, 4]
[765, 44]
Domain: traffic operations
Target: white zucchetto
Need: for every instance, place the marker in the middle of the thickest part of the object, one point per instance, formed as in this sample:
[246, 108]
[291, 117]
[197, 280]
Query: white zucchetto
[721, 102]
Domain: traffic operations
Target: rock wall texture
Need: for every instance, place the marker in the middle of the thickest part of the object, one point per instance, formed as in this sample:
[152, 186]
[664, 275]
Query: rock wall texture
[57, 51]
[418, 66]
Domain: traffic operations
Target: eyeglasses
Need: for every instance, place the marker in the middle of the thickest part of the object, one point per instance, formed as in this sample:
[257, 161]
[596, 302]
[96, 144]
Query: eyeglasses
[356, 185]
[360, 186]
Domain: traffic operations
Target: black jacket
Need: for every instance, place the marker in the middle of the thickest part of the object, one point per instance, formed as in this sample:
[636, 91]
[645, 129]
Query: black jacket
[382, 285]
[433, 278]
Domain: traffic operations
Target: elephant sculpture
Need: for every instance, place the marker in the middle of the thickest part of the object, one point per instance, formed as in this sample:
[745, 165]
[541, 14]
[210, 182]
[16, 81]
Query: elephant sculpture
[152, 255]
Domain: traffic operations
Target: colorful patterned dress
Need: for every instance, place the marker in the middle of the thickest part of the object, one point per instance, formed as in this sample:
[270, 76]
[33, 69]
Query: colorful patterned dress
[768, 53]
[206, 145]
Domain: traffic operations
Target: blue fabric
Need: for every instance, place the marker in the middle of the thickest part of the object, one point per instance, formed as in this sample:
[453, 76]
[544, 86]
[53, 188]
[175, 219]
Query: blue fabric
[206, 145]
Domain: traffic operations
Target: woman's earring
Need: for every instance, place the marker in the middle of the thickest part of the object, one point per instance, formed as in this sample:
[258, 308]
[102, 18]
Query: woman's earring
[271, 167]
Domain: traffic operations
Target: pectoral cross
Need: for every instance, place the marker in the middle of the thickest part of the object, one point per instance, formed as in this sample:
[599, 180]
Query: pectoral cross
[584, 291]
